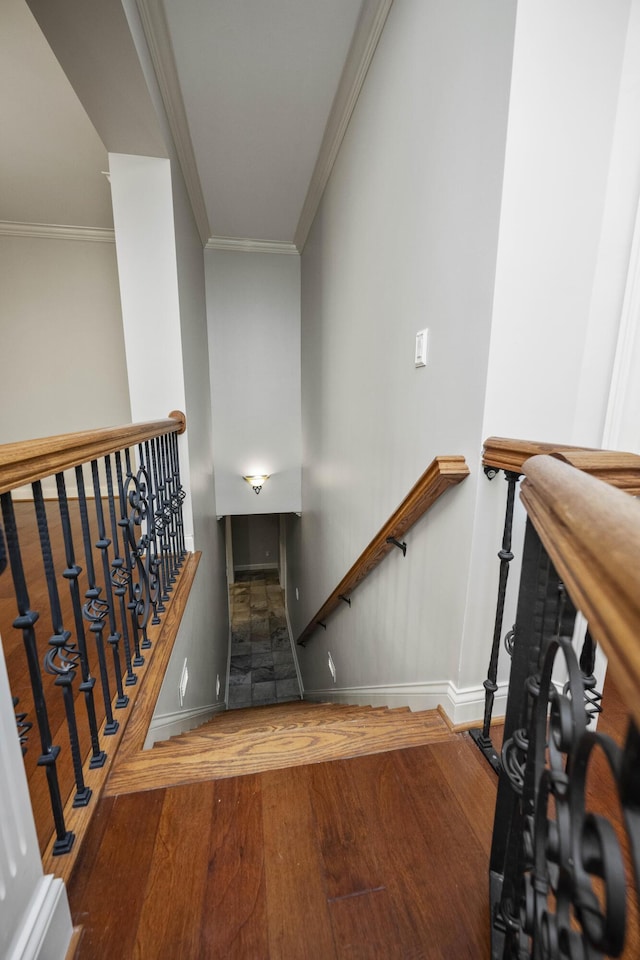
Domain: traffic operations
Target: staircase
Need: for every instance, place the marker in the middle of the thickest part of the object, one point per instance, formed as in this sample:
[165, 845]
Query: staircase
[274, 737]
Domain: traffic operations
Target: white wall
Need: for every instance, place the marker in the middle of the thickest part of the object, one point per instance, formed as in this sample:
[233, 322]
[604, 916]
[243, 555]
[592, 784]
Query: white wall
[256, 541]
[569, 197]
[564, 99]
[406, 237]
[253, 305]
[63, 359]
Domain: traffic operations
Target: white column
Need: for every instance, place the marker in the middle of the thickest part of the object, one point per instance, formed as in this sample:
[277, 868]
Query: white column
[35, 921]
[147, 268]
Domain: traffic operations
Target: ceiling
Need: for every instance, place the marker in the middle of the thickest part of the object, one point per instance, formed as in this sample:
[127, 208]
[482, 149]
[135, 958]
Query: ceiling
[258, 94]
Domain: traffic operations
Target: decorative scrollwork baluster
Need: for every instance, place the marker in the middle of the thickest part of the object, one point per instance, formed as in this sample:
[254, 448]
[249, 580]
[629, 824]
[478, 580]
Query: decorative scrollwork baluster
[178, 496]
[95, 609]
[60, 649]
[557, 869]
[71, 574]
[144, 583]
[103, 544]
[26, 622]
[23, 726]
[119, 577]
[151, 541]
[159, 522]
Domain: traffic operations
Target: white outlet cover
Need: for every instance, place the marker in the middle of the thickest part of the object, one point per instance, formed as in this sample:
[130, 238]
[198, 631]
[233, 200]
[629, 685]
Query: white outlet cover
[422, 337]
[217, 686]
[184, 680]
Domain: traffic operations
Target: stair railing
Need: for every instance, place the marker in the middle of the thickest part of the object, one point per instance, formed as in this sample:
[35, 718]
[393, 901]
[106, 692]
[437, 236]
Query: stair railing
[441, 474]
[621, 470]
[561, 874]
[107, 578]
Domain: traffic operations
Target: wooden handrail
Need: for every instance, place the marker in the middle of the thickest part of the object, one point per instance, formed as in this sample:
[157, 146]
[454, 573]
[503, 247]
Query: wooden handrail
[619, 469]
[442, 473]
[31, 460]
[591, 531]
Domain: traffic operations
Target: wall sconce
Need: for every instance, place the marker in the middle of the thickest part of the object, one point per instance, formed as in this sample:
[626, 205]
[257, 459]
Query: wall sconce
[256, 481]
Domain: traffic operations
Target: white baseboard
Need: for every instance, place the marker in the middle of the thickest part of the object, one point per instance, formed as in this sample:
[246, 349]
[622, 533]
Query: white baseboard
[46, 929]
[167, 725]
[462, 706]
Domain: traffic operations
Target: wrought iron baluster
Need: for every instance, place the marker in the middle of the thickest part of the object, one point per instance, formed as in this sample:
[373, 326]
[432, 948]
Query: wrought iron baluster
[179, 496]
[120, 578]
[22, 725]
[557, 870]
[482, 737]
[592, 696]
[95, 609]
[71, 574]
[171, 527]
[159, 524]
[103, 544]
[128, 549]
[61, 660]
[151, 545]
[26, 623]
[138, 508]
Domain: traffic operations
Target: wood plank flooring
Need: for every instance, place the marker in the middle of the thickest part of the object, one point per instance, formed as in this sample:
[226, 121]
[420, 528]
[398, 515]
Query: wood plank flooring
[378, 856]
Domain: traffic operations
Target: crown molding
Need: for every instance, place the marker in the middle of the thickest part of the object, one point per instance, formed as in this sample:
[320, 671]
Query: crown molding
[365, 40]
[156, 31]
[251, 246]
[56, 231]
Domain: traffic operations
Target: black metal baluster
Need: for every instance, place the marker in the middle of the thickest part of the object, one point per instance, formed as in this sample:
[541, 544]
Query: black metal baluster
[168, 505]
[26, 622]
[61, 660]
[128, 549]
[151, 556]
[95, 610]
[135, 499]
[159, 525]
[119, 577]
[103, 544]
[179, 497]
[22, 725]
[71, 574]
[482, 737]
[592, 696]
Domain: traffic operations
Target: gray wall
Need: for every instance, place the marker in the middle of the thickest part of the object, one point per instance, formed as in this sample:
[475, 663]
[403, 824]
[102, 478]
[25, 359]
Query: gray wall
[405, 238]
[253, 302]
[61, 343]
[256, 540]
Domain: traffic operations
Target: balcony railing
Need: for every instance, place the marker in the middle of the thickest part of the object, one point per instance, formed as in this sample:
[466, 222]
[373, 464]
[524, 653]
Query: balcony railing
[564, 871]
[621, 470]
[105, 510]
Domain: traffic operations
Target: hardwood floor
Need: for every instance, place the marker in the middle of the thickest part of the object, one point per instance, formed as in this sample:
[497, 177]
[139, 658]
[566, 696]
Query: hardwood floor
[378, 856]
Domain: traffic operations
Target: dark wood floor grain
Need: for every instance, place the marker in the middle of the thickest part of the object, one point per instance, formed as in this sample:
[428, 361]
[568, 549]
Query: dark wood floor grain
[363, 858]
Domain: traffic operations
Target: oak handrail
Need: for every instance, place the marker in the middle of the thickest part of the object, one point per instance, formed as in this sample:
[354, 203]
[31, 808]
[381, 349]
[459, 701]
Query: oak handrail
[591, 531]
[31, 460]
[619, 469]
[442, 473]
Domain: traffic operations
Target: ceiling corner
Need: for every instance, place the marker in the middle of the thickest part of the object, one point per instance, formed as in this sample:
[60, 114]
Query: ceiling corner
[363, 46]
[154, 23]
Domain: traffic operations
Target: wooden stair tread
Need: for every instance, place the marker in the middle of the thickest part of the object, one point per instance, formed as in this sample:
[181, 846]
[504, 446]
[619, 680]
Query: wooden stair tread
[211, 758]
[258, 719]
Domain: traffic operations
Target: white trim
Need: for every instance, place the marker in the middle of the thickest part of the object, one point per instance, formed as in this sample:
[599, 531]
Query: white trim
[248, 567]
[166, 725]
[56, 231]
[46, 927]
[293, 649]
[363, 46]
[628, 348]
[461, 706]
[156, 31]
[251, 246]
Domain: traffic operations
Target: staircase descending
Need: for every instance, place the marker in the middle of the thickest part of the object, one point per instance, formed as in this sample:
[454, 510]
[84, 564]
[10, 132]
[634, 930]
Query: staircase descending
[275, 737]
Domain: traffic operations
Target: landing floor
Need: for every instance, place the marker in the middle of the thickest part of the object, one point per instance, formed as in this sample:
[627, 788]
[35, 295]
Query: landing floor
[384, 856]
[262, 668]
